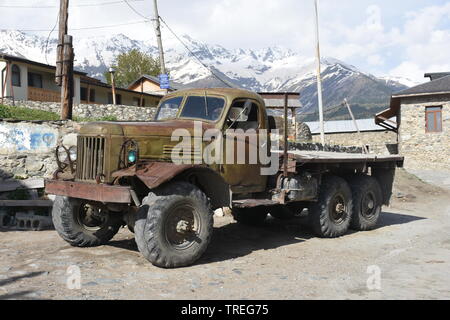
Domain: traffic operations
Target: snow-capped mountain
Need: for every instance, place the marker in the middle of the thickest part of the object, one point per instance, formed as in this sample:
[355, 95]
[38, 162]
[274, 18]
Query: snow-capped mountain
[269, 69]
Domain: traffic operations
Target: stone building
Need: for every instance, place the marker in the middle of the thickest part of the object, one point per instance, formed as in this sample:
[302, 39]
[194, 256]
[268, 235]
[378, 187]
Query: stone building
[27, 80]
[423, 122]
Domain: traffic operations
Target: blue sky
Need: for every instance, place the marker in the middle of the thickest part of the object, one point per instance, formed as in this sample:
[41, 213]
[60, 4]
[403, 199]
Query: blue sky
[397, 38]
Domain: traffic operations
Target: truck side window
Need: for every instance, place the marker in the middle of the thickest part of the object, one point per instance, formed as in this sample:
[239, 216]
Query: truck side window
[242, 120]
[169, 109]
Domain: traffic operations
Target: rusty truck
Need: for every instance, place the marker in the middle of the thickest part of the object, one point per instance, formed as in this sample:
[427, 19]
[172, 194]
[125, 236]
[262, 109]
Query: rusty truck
[124, 174]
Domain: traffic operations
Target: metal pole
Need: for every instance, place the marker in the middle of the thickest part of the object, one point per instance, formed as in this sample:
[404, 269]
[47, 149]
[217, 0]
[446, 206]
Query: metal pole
[319, 80]
[286, 142]
[354, 122]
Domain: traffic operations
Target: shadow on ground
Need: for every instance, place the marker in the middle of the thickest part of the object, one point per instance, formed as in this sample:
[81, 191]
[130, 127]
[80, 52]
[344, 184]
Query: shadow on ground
[20, 294]
[235, 240]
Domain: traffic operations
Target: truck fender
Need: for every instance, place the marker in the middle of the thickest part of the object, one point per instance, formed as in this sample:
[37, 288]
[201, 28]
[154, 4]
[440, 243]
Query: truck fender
[154, 174]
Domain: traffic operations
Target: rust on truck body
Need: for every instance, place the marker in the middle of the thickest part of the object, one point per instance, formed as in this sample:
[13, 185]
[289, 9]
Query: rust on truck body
[89, 191]
[153, 174]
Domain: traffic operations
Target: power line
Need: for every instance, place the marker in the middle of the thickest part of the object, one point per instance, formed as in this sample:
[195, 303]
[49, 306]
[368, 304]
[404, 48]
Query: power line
[183, 43]
[195, 56]
[84, 28]
[48, 37]
[73, 6]
[135, 11]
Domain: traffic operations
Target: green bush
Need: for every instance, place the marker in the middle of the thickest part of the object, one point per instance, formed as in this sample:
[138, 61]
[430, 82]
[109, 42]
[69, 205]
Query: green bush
[21, 113]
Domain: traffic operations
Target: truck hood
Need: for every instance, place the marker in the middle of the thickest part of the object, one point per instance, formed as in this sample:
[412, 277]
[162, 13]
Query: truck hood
[130, 129]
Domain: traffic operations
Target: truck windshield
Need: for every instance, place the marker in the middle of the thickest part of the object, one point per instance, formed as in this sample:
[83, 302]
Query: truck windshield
[203, 107]
[169, 109]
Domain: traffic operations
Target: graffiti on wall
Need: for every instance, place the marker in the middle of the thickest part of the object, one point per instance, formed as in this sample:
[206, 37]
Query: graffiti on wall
[26, 137]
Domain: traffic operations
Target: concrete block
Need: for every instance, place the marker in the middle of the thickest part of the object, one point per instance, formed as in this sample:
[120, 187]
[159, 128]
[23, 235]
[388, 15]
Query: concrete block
[25, 221]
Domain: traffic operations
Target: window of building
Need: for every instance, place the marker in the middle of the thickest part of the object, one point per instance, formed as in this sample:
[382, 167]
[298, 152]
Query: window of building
[83, 94]
[15, 75]
[34, 80]
[118, 98]
[137, 102]
[433, 116]
[92, 95]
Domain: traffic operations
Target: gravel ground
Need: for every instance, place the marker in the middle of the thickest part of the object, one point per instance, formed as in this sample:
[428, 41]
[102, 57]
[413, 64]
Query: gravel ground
[410, 251]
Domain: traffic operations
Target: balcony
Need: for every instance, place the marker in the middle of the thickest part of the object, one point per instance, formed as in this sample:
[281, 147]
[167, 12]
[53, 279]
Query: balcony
[45, 95]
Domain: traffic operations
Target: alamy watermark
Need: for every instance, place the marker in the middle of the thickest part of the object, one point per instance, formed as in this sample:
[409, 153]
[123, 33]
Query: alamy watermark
[374, 281]
[234, 146]
[73, 281]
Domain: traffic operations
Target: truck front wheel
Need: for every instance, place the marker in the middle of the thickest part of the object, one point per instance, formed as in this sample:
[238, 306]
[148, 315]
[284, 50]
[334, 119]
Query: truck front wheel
[330, 216]
[82, 224]
[174, 225]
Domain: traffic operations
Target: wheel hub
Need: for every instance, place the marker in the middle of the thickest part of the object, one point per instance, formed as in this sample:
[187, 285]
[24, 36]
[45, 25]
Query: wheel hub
[182, 226]
[338, 209]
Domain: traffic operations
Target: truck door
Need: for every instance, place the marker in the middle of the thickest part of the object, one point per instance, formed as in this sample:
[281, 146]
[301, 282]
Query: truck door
[242, 168]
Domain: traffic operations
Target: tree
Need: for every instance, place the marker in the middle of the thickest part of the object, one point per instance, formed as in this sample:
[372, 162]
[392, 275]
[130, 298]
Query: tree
[131, 65]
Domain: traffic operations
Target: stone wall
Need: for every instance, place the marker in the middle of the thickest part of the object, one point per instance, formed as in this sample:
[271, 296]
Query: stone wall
[424, 150]
[27, 148]
[379, 142]
[92, 111]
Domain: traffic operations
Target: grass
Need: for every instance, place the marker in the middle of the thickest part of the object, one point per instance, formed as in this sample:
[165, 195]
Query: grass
[21, 113]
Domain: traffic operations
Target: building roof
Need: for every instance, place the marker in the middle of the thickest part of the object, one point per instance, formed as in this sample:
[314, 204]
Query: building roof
[7, 57]
[96, 82]
[438, 86]
[150, 78]
[345, 126]
[436, 75]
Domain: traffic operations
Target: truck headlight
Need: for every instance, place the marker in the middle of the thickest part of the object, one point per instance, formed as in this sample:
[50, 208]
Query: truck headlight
[73, 153]
[132, 156]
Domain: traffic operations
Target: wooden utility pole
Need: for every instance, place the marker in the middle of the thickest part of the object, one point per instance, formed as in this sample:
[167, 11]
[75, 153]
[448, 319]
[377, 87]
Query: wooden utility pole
[67, 79]
[63, 18]
[64, 62]
[158, 36]
[157, 25]
[113, 85]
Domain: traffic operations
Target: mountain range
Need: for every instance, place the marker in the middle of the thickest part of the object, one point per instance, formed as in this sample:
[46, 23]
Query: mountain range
[273, 69]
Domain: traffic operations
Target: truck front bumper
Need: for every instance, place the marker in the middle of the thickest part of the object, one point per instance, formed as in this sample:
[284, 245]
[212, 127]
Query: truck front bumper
[89, 191]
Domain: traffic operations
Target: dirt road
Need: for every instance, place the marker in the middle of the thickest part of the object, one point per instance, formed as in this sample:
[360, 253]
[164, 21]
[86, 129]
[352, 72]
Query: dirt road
[407, 257]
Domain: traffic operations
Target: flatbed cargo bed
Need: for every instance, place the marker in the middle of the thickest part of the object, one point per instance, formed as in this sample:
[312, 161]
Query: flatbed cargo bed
[337, 157]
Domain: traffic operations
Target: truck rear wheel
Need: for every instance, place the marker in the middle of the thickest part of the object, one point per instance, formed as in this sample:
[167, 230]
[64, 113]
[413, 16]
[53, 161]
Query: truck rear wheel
[367, 202]
[330, 216]
[250, 216]
[174, 225]
[82, 224]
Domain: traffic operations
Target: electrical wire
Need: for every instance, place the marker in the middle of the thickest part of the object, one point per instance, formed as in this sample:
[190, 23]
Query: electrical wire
[196, 57]
[48, 37]
[183, 43]
[84, 28]
[73, 6]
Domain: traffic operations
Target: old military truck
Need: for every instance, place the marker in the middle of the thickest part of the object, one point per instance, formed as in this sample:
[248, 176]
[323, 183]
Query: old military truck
[124, 174]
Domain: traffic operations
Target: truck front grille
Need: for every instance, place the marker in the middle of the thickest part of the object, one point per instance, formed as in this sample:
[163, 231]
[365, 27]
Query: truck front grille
[90, 157]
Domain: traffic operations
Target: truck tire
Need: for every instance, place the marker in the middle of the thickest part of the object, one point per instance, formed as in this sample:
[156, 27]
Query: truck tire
[250, 216]
[83, 225]
[367, 202]
[330, 216]
[174, 225]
